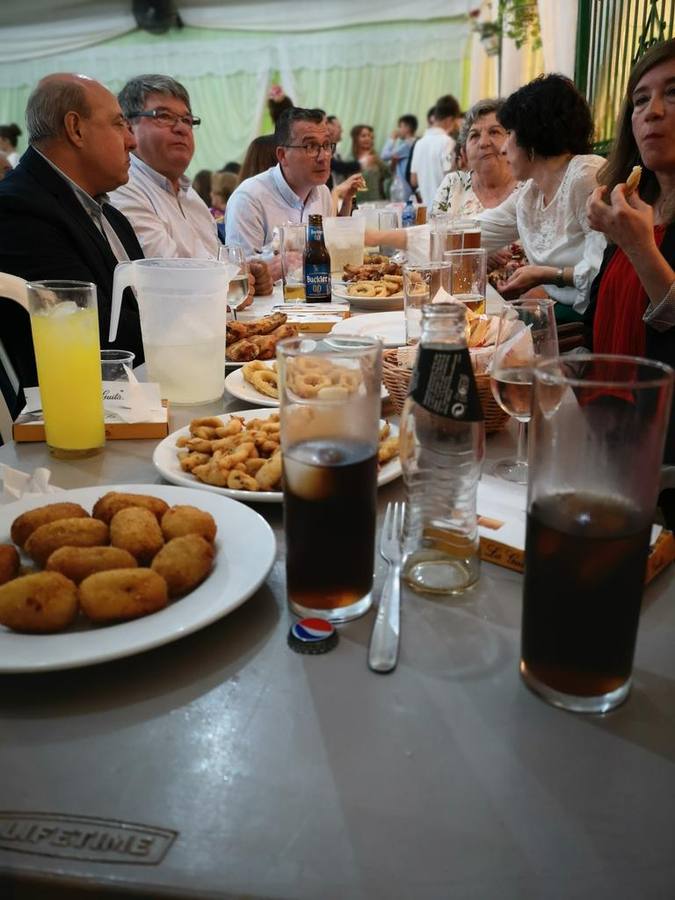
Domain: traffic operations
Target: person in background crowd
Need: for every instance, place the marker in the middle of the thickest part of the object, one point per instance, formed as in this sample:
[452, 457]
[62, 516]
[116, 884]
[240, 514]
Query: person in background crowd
[632, 308]
[277, 102]
[291, 191]
[222, 187]
[202, 184]
[431, 157]
[260, 156]
[55, 221]
[398, 149]
[485, 179]
[5, 165]
[232, 166]
[9, 138]
[339, 168]
[373, 170]
[169, 217]
[549, 130]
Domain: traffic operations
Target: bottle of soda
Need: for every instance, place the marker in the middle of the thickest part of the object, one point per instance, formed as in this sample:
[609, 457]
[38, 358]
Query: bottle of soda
[442, 449]
[409, 215]
[316, 264]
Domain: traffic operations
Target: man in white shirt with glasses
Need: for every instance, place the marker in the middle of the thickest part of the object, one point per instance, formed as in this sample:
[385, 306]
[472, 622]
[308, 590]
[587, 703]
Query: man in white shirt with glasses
[291, 191]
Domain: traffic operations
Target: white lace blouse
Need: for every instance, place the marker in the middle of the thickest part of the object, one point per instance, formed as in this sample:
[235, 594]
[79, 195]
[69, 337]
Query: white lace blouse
[555, 235]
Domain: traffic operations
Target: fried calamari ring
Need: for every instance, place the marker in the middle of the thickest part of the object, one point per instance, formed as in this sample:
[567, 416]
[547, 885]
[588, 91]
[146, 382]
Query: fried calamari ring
[380, 289]
[266, 382]
[361, 289]
[633, 181]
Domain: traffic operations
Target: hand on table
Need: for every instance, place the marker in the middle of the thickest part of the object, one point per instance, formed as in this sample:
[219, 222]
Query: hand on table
[522, 280]
[263, 279]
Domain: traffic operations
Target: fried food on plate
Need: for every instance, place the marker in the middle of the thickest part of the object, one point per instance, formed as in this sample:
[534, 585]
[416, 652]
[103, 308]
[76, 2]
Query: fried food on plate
[136, 530]
[112, 502]
[184, 562]
[9, 562]
[26, 523]
[65, 533]
[38, 604]
[184, 519]
[122, 594]
[78, 563]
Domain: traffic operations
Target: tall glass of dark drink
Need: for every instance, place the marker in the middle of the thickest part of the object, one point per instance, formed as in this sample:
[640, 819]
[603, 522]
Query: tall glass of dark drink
[330, 404]
[596, 446]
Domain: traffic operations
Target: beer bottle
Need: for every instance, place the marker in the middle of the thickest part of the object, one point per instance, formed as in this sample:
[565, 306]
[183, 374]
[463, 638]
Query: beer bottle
[316, 264]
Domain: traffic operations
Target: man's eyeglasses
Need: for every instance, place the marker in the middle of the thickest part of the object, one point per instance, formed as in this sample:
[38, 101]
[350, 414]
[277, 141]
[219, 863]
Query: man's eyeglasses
[314, 149]
[166, 119]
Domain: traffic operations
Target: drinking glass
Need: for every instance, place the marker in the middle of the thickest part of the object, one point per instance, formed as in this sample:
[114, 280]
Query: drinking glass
[344, 237]
[527, 334]
[292, 248]
[468, 278]
[330, 407]
[237, 291]
[113, 363]
[387, 220]
[424, 284]
[64, 323]
[451, 233]
[596, 447]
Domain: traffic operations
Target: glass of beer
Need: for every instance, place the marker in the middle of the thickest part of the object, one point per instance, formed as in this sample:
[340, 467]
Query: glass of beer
[597, 437]
[464, 234]
[292, 249]
[468, 277]
[424, 284]
[64, 323]
[330, 408]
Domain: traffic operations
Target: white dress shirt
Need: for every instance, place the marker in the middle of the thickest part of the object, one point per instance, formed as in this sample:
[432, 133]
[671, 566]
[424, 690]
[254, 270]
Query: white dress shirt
[264, 202]
[431, 161]
[555, 235]
[167, 225]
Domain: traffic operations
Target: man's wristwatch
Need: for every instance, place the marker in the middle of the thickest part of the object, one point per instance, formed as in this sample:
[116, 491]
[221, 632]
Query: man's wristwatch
[560, 278]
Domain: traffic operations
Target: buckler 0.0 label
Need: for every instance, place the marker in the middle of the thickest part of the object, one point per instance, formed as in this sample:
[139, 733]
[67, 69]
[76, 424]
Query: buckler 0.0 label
[443, 383]
[84, 838]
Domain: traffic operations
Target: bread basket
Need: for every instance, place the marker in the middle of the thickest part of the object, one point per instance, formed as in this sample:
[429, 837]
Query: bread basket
[396, 380]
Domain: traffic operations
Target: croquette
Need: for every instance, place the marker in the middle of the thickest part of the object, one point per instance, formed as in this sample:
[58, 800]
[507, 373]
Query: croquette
[26, 523]
[184, 562]
[136, 529]
[112, 502]
[65, 533]
[181, 520]
[38, 604]
[9, 562]
[122, 594]
[77, 563]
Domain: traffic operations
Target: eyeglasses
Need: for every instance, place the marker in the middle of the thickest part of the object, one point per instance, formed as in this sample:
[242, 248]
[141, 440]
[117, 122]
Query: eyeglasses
[166, 119]
[313, 149]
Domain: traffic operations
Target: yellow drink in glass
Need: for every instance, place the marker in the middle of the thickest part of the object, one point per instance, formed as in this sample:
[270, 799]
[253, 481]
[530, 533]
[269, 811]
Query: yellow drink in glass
[67, 353]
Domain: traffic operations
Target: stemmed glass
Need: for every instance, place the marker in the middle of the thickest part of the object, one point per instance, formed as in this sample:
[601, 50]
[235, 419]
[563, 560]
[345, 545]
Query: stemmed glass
[527, 333]
[237, 291]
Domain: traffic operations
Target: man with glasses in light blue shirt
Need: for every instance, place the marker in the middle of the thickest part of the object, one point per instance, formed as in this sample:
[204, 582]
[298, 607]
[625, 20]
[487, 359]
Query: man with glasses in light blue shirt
[291, 191]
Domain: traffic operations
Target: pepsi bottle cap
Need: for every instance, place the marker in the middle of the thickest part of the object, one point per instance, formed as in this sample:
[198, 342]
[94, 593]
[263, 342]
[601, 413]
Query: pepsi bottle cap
[312, 636]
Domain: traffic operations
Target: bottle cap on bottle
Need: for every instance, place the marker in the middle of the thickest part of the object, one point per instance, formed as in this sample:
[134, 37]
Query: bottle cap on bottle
[312, 636]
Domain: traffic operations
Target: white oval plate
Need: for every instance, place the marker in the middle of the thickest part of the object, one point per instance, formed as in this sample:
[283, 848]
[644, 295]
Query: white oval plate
[384, 304]
[237, 385]
[389, 327]
[165, 460]
[245, 546]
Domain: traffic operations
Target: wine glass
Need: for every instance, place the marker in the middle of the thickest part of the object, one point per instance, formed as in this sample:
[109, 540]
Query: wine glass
[527, 333]
[237, 291]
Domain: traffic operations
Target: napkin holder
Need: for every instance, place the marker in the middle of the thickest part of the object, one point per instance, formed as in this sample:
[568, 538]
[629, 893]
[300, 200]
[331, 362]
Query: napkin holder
[138, 415]
[501, 525]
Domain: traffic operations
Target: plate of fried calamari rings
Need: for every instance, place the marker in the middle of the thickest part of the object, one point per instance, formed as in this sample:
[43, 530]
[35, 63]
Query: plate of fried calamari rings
[94, 574]
[377, 284]
[239, 455]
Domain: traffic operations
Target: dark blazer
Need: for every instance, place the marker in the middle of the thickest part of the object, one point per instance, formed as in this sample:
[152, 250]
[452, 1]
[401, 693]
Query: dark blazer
[45, 233]
[659, 345]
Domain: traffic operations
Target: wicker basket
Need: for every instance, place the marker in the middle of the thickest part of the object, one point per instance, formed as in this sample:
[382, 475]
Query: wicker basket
[396, 381]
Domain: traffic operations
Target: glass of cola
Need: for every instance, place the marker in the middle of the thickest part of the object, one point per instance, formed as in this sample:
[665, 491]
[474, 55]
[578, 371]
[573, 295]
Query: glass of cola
[596, 447]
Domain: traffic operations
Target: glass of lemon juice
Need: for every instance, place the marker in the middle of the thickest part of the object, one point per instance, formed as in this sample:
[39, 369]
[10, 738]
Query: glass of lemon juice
[64, 322]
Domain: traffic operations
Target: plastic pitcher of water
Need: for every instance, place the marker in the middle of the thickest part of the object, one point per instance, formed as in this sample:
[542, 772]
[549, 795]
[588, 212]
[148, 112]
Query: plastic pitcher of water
[182, 305]
[344, 236]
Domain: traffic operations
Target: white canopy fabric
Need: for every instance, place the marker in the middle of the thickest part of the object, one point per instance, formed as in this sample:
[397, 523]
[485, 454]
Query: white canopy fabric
[39, 28]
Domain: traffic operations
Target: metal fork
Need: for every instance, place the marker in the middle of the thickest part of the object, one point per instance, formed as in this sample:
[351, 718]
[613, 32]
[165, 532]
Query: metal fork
[383, 650]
